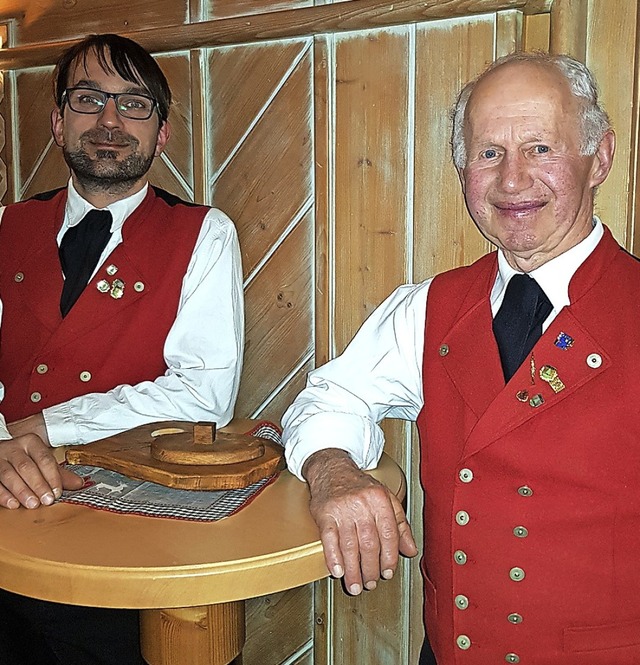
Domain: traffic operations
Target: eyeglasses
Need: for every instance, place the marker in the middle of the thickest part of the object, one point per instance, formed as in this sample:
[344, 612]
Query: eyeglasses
[89, 100]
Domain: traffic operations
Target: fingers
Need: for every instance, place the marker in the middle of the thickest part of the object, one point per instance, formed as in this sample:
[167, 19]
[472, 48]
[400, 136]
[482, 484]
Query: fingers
[29, 473]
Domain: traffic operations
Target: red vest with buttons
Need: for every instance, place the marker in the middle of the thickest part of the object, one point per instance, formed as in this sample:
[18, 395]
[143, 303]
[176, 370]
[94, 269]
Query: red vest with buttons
[532, 495]
[104, 341]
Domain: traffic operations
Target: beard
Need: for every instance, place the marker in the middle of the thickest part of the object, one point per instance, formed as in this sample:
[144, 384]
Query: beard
[106, 172]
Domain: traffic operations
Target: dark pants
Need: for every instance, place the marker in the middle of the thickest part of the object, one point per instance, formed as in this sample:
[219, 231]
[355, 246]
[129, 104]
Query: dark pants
[426, 655]
[36, 632]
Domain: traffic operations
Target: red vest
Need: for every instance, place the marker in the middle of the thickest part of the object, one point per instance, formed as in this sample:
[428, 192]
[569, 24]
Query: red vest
[104, 341]
[532, 508]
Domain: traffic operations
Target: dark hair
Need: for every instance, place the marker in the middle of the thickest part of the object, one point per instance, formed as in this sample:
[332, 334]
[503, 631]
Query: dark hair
[123, 55]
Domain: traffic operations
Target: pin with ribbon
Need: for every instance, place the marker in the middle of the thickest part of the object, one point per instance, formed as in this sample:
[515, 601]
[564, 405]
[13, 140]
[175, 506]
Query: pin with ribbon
[550, 375]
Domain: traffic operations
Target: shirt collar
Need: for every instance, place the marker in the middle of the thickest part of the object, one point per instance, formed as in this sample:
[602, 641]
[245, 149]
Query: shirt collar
[77, 207]
[553, 276]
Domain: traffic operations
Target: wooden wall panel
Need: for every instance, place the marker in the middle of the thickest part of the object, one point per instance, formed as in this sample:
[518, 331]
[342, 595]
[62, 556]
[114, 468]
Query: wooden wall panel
[611, 60]
[267, 182]
[227, 8]
[263, 69]
[54, 20]
[178, 155]
[279, 321]
[279, 625]
[371, 145]
[444, 235]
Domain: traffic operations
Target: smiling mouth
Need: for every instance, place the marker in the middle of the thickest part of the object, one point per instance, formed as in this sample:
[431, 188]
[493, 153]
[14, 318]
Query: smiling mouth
[521, 209]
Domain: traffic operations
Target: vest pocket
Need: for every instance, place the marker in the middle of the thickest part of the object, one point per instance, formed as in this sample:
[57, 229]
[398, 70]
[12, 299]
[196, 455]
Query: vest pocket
[608, 636]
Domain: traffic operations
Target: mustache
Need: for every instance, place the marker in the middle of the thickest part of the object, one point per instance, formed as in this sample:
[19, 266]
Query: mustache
[109, 137]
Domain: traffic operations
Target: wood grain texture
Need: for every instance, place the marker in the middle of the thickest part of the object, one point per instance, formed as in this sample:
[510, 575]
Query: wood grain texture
[569, 27]
[45, 20]
[535, 32]
[279, 625]
[279, 315]
[211, 635]
[303, 22]
[227, 8]
[179, 152]
[268, 181]
[370, 173]
[614, 63]
[444, 235]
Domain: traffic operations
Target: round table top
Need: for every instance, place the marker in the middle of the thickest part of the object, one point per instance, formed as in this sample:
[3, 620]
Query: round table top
[83, 556]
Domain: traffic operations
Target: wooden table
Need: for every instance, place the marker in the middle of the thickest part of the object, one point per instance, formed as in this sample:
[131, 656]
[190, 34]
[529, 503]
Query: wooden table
[189, 579]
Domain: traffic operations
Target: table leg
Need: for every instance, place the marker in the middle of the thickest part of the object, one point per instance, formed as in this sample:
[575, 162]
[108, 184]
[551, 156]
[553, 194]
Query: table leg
[209, 635]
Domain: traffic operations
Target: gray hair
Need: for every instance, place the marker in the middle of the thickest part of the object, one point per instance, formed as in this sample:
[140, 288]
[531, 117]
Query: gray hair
[594, 121]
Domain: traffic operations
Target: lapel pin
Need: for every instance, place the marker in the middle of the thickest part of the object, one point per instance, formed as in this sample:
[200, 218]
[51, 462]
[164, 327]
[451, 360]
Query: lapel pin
[117, 289]
[564, 341]
[550, 375]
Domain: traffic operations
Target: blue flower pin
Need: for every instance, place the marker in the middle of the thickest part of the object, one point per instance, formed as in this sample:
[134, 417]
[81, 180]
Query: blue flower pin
[564, 341]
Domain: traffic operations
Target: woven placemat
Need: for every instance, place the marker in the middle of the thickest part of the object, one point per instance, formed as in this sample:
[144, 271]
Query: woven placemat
[108, 490]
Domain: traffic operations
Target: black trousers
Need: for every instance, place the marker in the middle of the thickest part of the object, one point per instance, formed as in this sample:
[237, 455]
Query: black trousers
[37, 632]
[426, 655]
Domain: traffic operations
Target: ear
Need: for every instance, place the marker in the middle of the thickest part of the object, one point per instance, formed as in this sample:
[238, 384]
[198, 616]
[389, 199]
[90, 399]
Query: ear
[603, 159]
[57, 126]
[163, 136]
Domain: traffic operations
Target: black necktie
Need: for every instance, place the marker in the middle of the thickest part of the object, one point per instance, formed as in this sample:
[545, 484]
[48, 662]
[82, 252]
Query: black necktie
[518, 324]
[79, 252]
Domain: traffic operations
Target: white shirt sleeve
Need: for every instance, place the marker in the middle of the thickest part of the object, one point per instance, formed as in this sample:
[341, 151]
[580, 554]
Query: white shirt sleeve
[203, 352]
[4, 432]
[379, 375]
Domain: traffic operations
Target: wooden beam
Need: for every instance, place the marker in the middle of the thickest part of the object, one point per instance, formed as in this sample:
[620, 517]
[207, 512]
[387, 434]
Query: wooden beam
[291, 23]
[569, 28]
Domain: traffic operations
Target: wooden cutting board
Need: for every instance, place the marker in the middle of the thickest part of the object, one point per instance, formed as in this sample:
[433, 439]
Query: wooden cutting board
[184, 455]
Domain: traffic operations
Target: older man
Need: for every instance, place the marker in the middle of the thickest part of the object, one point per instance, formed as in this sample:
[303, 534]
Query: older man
[521, 371]
[122, 306]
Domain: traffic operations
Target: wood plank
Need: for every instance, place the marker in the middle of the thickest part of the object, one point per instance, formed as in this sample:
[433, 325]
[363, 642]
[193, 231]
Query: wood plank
[278, 626]
[303, 22]
[179, 150]
[279, 314]
[508, 32]
[448, 55]
[280, 401]
[35, 102]
[613, 61]
[370, 173]
[535, 32]
[372, 97]
[569, 27]
[70, 19]
[227, 8]
[268, 182]
[242, 82]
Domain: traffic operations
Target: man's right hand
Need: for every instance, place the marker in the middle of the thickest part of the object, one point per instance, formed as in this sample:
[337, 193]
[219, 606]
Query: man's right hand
[362, 525]
[30, 475]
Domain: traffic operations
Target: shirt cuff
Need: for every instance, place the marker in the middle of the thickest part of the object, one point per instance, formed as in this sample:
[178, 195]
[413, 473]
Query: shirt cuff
[347, 432]
[61, 429]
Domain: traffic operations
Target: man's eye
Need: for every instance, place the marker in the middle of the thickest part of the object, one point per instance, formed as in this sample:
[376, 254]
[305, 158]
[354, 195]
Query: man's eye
[89, 100]
[541, 149]
[134, 103]
[489, 154]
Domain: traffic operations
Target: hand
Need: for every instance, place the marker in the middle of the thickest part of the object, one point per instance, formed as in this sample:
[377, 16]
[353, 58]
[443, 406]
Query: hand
[362, 525]
[29, 473]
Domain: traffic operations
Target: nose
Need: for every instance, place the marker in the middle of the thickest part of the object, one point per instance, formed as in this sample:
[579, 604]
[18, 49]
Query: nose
[515, 175]
[109, 116]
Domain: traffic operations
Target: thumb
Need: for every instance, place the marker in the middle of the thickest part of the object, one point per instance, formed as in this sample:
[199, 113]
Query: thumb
[70, 480]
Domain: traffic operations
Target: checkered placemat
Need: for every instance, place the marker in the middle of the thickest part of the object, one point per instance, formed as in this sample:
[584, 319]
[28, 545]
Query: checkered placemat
[108, 490]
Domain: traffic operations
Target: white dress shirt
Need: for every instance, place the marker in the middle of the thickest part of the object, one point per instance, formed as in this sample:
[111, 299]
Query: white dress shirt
[379, 375]
[203, 349]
